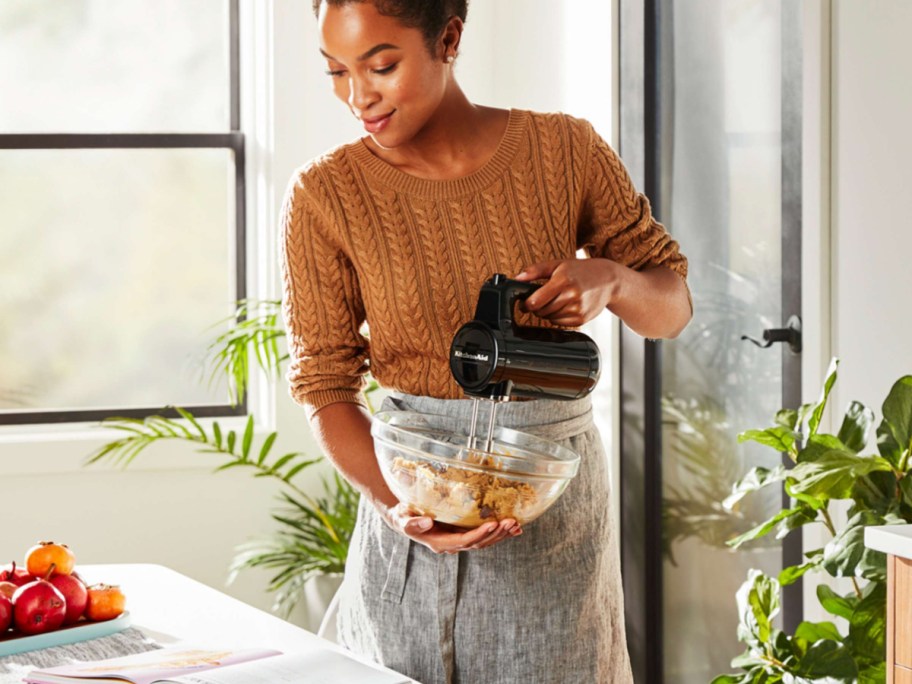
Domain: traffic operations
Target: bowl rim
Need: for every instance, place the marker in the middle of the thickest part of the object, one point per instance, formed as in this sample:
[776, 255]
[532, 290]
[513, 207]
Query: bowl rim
[569, 466]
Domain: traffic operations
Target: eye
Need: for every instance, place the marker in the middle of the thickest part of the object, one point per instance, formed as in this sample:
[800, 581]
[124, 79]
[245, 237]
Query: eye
[335, 72]
[386, 70]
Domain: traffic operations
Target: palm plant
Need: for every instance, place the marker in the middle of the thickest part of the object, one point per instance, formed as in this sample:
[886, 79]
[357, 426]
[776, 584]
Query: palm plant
[314, 532]
[254, 326]
[313, 539]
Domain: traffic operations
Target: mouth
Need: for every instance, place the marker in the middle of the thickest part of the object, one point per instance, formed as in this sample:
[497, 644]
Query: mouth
[377, 123]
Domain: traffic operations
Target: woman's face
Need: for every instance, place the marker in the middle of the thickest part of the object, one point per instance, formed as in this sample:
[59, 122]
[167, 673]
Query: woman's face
[381, 70]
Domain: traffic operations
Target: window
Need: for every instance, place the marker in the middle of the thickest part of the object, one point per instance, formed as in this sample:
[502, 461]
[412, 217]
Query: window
[121, 204]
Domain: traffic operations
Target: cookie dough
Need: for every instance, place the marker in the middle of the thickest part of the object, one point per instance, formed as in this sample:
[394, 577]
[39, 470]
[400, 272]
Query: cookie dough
[460, 496]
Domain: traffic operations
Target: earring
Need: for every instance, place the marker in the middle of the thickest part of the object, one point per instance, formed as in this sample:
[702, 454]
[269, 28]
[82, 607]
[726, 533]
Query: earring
[449, 59]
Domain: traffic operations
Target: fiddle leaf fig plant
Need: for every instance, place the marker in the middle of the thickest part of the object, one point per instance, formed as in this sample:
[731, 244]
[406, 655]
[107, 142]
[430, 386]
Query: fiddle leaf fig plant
[826, 468]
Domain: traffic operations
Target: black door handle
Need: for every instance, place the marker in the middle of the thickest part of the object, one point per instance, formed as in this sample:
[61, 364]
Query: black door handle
[790, 334]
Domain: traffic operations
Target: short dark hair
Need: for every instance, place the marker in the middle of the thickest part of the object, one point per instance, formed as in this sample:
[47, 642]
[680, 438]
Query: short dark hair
[428, 16]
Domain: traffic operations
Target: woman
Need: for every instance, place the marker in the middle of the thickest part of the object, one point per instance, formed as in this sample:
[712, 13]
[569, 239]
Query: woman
[400, 228]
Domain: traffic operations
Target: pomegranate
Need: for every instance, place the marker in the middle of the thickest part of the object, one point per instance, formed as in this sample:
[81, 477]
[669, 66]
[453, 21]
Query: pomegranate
[8, 589]
[18, 576]
[38, 607]
[6, 613]
[75, 594]
[41, 557]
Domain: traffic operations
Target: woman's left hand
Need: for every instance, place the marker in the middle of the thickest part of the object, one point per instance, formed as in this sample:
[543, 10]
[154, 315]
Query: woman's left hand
[577, 290]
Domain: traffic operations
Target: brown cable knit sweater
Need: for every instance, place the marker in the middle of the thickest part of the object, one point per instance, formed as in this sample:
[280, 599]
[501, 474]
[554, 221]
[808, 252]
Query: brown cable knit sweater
[364, 241]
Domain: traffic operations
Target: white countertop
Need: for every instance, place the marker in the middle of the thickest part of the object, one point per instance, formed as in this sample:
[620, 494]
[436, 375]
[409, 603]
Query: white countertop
[893, 539]
[172, 608]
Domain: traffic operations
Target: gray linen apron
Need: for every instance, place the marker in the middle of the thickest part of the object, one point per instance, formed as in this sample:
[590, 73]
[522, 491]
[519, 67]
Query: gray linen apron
[544, 607]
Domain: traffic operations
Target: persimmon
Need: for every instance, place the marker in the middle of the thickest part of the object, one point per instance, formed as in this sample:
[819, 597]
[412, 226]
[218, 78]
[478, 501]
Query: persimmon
[47, 554]
[106, 602]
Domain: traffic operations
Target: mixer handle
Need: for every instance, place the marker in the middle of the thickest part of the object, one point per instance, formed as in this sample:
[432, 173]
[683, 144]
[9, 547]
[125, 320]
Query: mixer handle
[498, 298]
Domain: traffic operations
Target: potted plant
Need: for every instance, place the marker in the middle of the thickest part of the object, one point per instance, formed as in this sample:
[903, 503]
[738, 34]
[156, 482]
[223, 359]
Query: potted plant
[313, 534]
[826, 468]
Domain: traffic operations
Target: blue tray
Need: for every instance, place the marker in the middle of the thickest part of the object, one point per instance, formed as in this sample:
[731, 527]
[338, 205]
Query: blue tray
[81, 631]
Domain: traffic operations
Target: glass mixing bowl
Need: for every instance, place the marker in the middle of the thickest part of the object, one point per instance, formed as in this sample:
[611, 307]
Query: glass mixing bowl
[427, 464]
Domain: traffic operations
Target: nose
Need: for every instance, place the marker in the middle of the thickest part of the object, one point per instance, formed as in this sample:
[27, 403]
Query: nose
[361, 94]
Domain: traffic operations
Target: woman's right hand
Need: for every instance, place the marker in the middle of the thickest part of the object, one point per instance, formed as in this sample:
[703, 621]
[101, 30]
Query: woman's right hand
[443, 538]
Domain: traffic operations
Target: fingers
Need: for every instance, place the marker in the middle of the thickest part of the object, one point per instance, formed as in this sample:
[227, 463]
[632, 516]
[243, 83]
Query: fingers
[563, 310]
[564, 304]
[541, 298]
[442, 540]
[418, 524]
[543, 269]
[506, 528]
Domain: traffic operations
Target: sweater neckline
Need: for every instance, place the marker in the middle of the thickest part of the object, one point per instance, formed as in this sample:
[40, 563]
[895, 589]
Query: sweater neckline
[477, 180]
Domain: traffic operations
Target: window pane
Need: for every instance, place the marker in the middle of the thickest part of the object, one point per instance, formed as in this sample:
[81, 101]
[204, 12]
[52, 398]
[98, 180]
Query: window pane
[726, 210]
[90, 66]
[113, 264]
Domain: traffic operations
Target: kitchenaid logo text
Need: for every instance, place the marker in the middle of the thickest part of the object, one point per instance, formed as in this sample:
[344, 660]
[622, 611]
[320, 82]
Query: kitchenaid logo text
[474, 357]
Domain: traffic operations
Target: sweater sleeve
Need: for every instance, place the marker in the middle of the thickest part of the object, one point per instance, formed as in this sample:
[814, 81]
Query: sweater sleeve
[616, 221]
[321, 305]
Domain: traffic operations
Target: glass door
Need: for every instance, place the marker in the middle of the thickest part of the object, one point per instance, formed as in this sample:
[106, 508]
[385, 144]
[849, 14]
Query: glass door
[710, 129]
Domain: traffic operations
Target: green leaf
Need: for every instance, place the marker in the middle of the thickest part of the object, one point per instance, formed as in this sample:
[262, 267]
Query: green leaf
[897, 411]
[747, 660]
[855, 426]
[887, 445]
[298, 468]
[875, 491]
[828, 661]
[758, 604]
[778, 437]
[905, 488]
[867, 624]
[819, 444]
[815, 503]
[791, 574]
[254, 326]
[803, 412]
[817, 413]
[788, 418]
[217, 434]
[834, 473]
[727, 679]
[267, 445]
[282, 461]
[846, 554]
[313, 538]
[834, 604]
[815, 631]
[232, 437]
[757, 478]
[229, 464]
[805, 514]
[248, 438]
[873, 674]
[765, 527]
[189, 417]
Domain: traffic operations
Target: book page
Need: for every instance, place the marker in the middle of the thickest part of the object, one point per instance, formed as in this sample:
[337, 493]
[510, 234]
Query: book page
[318, 667]
[143, 668]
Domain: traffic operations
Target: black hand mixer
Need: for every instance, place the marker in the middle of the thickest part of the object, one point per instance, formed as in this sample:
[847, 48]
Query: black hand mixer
[493, 358]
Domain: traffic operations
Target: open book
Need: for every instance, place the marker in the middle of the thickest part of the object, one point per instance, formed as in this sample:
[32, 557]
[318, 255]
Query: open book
[182, 665]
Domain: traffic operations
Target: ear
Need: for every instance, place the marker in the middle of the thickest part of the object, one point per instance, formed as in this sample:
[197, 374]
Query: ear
[451, 36]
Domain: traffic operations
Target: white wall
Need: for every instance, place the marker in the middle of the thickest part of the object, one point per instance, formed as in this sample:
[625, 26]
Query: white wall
[168, 508]
[871, 229]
